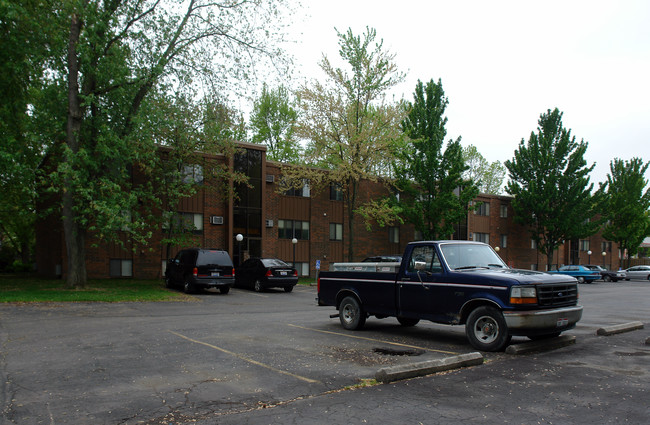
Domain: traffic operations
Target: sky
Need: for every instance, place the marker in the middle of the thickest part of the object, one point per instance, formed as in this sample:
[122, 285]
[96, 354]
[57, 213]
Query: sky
[504, 63]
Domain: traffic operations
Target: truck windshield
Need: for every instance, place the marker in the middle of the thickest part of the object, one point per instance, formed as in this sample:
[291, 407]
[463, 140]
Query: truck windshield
[469, 256]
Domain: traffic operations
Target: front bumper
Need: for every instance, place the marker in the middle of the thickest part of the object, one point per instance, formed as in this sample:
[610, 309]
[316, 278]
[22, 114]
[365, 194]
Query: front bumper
[542, 321]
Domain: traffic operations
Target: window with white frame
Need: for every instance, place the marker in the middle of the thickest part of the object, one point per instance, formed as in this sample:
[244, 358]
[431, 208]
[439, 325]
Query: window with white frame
[183, 222]
[504, 240]
[192, 173]
[483, 209]
[533, 244]
[504, 211]
[120, 267]
[584, 244]
[289, 229]
[481, 237]
[301, 191]
[336, 231]
[393, 234]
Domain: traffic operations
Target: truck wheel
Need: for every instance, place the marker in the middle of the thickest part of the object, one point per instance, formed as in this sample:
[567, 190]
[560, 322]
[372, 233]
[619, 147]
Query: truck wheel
[351, 315]
[486, 329]
[406, 321]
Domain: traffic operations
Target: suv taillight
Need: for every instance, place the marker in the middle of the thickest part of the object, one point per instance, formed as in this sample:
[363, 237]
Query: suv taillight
[195, 272]
[295, 272]
[269, 273]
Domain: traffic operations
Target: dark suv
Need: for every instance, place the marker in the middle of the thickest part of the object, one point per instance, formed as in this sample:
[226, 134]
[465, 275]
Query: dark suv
[196, 268]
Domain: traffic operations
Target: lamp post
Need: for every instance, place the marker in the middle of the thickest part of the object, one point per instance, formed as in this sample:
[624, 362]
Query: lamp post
[589, 254]
[294, 241]
[604, 254]
[239, 238]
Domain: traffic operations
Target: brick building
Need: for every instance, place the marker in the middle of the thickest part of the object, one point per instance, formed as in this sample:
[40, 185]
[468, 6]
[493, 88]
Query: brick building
[270, 220]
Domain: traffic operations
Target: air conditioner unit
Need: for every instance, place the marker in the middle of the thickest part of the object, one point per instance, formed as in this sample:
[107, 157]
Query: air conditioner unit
[270, 178]
[216, 219]
[269, 223]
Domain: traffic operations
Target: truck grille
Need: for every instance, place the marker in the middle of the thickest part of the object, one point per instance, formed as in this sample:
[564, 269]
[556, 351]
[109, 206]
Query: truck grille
[562, 294]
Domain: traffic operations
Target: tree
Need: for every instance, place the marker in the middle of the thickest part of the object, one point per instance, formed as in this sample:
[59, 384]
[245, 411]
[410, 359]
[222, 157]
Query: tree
[625, 204]
[549, 179]
[273, 123]
[437, 195]
[350, 127]
[116, 56]
[487, 175]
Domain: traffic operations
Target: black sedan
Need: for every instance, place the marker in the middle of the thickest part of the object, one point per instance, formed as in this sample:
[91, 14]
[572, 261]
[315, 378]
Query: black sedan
[262, 273]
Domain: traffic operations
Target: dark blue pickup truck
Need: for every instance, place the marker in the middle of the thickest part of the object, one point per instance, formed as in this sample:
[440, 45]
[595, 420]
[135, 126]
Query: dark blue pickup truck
[457, 282]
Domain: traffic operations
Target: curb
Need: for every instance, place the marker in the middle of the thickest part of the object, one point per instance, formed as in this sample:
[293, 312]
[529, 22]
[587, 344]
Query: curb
[541, 345]
[413, 370]
[617, 329]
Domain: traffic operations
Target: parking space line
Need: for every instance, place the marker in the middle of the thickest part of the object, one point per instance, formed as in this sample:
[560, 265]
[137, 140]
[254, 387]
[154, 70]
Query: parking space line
[246, 359]
[374, 340]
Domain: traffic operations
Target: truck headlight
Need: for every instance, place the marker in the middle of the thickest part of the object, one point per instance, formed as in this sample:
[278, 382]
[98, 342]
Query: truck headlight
[523, 295]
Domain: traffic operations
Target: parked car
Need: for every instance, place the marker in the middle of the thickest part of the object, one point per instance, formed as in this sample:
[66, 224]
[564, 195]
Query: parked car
[637, 272]
[581, 273]
[197, 268]
[262, 273]
[383, 259]
[608, 275]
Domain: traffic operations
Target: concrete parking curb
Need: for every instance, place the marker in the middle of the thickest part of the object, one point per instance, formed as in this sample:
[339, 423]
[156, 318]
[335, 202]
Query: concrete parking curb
[396, 373]
[617, 329]
[541, 345]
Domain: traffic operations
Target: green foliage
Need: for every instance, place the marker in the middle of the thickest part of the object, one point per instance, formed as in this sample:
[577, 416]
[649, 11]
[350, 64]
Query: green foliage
[88, 79]
[273, 123]
[488, 176]
[350, 127]
[549, 179]
[435, 194]
[625, 204]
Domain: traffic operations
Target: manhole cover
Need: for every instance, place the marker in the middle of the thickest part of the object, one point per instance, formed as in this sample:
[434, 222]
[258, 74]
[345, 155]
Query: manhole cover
[399, 352]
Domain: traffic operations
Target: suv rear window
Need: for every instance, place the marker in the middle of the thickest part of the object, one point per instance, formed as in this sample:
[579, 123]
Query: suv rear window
[213, 257]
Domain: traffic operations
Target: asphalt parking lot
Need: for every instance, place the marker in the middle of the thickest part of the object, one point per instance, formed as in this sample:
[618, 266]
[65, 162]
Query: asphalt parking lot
[226, 358]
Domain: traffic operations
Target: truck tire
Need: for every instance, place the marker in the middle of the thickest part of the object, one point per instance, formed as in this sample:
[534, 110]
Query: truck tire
[188, 287]
[351, 314]
[407, 321]
[486, 329]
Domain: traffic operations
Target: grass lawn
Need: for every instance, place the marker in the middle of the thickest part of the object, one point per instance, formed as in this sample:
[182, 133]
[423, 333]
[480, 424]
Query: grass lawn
[17, 288]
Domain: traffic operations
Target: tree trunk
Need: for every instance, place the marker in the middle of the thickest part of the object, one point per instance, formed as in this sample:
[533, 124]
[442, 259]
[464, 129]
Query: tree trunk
[75, 234]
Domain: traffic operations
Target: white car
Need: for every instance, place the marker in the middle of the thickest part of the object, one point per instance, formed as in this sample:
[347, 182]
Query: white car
[638, 272]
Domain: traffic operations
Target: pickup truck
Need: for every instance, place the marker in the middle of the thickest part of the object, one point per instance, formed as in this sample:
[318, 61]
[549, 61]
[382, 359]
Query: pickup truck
[456, 283]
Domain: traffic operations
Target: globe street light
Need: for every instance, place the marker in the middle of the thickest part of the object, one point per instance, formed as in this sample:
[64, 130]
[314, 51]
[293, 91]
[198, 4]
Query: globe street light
[604, 254]
[239, 238]
[294, 241]
[589, 254]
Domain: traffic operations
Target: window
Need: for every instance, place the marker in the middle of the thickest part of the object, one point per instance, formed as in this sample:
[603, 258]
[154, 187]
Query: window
[300, 191]
[483, 209]
[533, 267]
[425, 254]
[393, 234]
[289, 229]
[481, 237]
[192, 173]
[120, 268]
[533, 244]
[336, 231]
[504, 241]
[504, 211]
[183, 222]
[606, 246]
[301, 268]
[336, 193]
[584, 244]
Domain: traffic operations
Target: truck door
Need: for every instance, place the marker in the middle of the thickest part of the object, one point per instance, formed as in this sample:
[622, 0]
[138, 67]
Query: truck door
[418, 296]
